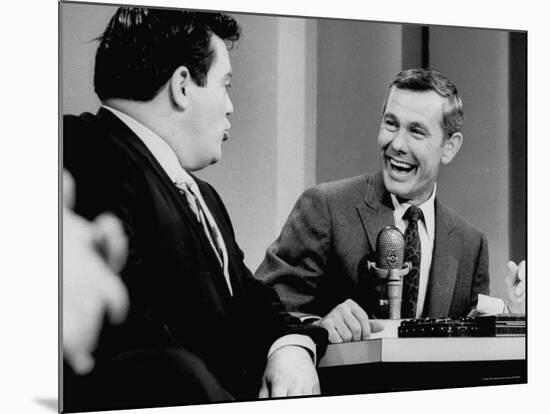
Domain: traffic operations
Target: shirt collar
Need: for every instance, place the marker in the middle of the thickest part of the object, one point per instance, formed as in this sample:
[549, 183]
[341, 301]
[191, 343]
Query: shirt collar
[162, 152]
[427, 207]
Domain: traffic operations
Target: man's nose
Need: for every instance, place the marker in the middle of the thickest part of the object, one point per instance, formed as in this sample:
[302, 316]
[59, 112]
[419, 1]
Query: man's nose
[399, 141]
[229, 106]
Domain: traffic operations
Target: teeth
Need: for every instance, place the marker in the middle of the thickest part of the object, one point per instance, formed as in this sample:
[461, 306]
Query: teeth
[400, 164]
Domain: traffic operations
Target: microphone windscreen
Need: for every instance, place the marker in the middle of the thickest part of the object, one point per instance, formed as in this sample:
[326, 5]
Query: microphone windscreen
[390, 248]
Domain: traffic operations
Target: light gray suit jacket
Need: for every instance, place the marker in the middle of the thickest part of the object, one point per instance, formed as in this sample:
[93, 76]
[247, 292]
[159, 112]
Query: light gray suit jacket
[319, 259]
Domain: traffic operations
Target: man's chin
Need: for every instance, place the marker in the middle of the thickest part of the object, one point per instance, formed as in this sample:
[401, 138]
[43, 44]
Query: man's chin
[201, 165]
[218, 157]
[401, 189]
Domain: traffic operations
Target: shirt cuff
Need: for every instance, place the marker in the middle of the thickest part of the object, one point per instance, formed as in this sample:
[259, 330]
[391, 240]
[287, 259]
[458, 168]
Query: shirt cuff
[297, 340]
[305, 317]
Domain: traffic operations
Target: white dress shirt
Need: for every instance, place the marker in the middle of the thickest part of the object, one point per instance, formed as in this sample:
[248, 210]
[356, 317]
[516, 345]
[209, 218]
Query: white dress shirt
[426, 232]
[168, 160]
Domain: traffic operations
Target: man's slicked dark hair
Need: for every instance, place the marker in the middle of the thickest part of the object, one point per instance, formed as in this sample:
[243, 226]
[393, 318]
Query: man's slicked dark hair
[142, 47]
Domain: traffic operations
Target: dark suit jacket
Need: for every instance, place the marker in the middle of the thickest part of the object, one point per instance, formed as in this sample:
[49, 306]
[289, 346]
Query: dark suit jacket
[178, 293]
[319, 259]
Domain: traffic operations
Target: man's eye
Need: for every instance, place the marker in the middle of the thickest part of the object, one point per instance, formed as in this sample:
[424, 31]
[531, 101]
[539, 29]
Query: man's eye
[390, 124]
[228, 86]
[418, 131]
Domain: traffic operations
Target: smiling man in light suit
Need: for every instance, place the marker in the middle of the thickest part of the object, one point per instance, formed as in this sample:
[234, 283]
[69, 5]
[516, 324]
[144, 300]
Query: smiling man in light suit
[317, 265]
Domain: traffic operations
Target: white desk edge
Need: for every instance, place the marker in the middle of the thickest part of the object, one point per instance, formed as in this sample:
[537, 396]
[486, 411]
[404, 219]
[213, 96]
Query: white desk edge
[425, 350]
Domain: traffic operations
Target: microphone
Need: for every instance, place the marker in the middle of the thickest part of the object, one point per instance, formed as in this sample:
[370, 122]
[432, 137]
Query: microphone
[390, 253]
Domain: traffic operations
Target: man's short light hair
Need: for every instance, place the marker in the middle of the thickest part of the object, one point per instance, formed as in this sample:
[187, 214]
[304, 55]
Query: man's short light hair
[432, 80]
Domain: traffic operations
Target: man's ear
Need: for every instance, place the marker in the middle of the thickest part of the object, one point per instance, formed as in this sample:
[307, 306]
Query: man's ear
[451, 147]
[179, 87]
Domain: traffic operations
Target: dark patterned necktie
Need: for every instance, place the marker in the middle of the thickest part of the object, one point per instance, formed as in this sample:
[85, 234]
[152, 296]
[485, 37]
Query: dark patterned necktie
[413, 255]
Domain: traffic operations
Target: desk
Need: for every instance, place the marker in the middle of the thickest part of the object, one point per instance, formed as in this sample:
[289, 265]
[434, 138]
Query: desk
[396, 364]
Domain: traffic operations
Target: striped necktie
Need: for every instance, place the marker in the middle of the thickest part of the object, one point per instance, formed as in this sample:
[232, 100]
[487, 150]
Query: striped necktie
[208, 225]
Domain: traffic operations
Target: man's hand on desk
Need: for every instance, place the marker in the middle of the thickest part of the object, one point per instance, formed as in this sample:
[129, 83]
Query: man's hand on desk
[289, 372]
[346, 322]
[515, 287]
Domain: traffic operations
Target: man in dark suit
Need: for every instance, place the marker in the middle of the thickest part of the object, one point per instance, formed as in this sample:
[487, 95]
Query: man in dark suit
[199, 328]
[318, 263]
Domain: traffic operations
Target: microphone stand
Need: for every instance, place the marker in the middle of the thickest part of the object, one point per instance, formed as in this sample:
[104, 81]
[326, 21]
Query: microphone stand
[394, 281]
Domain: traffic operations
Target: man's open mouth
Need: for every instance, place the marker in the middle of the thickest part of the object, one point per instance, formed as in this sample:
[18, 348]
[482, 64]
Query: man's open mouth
[400, 167]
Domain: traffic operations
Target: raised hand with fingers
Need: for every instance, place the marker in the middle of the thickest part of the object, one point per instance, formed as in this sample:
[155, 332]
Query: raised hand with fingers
[93, 253]
[515, 287]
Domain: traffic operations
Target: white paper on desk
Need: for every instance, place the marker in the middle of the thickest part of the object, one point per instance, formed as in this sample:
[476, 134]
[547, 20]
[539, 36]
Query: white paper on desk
[487, 305]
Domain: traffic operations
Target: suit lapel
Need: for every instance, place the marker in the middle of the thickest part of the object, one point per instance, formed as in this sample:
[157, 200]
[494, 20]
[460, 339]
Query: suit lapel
[135, 147]
[444, 267]
[126, 138]
[376, 210]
